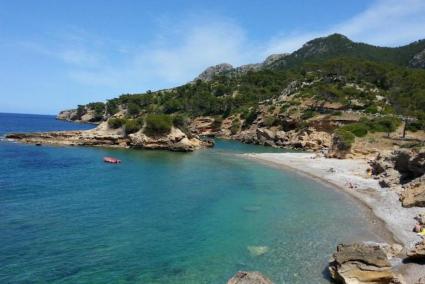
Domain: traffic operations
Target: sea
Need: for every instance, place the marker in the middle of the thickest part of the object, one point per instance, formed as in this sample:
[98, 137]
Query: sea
[162, 217]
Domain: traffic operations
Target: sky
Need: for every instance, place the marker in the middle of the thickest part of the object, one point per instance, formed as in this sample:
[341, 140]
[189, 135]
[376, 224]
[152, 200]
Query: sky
[56, 54]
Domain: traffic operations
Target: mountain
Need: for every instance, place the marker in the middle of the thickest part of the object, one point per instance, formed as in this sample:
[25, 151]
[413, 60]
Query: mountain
[332, 91]
[330, 47]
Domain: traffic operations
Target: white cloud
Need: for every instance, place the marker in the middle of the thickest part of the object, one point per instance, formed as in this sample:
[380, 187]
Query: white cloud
[181, 50]
[174, 57]
[384, 23]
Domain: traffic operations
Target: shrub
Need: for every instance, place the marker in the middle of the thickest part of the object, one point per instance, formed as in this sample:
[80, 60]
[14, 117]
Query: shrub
[250, 117]
[308, 114]
[158, 124]
[218, 120]
[112, 107]
[236, 124]
[133, 108]
[345, 139]
[132, 126]
[116, 122]
[81, 110]
[383, 124]
[358, 129]
[180, 121]
[269, 121]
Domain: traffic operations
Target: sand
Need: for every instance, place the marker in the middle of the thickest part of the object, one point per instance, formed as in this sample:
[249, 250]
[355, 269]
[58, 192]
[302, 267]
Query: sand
[351, 176]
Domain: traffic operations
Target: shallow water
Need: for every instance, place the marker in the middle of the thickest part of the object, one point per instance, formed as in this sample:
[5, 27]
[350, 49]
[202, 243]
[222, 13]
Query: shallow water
[161, 217]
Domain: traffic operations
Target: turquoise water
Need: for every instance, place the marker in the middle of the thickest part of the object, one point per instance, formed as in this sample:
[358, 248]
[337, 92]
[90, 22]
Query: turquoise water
[161, 217]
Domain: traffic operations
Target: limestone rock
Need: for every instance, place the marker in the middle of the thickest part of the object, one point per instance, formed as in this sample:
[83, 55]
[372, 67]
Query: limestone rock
[418, 252]
[244, 277]
[421, 219]
[274, 58]
[176, 140]
[210, 72]
[68, 115]
[418, 61]
[363, 263]
[339, 149]
[414, 193]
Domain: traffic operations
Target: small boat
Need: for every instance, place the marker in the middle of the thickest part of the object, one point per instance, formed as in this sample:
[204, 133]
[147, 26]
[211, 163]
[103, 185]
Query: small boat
[111, 160]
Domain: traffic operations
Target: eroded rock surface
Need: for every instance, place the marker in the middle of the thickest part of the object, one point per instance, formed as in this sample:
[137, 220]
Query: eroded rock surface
[364, 263]
[418, 251]
[414, 193]
[176, 140]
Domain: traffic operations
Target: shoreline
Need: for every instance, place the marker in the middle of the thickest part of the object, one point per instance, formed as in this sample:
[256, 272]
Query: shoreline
[384, 204]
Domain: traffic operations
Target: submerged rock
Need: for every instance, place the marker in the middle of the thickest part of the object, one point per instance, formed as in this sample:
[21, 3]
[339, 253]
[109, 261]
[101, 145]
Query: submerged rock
[364, 263]
[258, 250]
[249, 277]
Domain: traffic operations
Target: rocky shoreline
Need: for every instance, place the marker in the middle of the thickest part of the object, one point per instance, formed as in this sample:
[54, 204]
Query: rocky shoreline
[104, 136]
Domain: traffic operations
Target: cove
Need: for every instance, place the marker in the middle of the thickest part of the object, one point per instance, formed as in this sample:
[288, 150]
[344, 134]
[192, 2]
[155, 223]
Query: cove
[162, 217]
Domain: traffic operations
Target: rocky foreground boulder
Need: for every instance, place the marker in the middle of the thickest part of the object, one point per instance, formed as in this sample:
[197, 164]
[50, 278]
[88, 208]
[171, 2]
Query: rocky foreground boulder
[414, 193]
[104, 136]
[402, 171]
[418, 251]
[252, 277]
[364, 263]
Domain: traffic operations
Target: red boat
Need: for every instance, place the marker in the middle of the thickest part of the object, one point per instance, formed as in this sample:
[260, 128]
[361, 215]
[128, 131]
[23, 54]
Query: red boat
[111, 160]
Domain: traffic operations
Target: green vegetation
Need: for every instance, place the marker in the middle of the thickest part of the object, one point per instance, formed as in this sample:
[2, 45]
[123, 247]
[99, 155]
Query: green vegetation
[133, 109]
[236, 125]
[345, 75]
[385, 124]
[358, 129]
[133, 125]
[158, 124]
[270, 121]
[116, 122]
[345, 138]
[218, 120]
[81, 110]
[181, 121]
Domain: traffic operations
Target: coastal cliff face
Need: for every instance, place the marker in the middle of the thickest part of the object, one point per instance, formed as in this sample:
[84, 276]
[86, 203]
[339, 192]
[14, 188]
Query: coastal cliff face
[104, 136]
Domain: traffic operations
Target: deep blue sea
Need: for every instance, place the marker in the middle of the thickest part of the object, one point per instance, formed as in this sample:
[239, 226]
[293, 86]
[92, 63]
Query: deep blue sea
[161, 217]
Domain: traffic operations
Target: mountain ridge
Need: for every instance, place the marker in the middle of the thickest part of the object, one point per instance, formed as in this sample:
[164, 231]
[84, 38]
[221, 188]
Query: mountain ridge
[328, 47]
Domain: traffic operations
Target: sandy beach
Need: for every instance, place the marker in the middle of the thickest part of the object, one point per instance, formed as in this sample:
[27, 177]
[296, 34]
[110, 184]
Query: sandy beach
[351, 176]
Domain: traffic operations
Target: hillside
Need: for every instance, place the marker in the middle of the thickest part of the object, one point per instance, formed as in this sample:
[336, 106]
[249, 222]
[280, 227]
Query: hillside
[330, 94]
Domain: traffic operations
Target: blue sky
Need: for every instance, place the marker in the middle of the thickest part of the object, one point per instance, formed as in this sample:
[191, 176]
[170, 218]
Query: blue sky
[57, 54]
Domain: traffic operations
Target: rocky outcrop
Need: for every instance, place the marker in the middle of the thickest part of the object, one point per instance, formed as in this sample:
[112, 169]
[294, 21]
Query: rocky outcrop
[244, 277]
[209, 73]
[414, 193]
[176, 140]
[418, 252]
[204, 125]
[364, 263]
[309, 139]
[418, 61]
[69, 115]
[86, 115]
[339, 148]
[402, 171]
